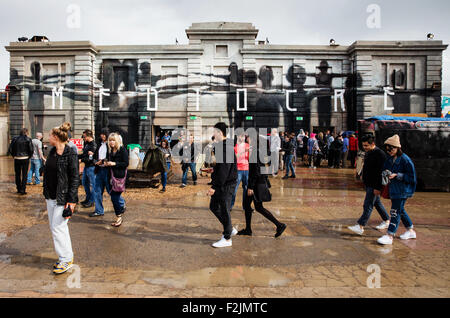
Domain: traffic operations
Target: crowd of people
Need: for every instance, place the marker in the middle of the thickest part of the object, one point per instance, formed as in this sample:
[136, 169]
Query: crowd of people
[233, 162]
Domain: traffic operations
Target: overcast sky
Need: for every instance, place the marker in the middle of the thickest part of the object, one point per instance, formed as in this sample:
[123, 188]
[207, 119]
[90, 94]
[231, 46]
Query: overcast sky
[282, 21]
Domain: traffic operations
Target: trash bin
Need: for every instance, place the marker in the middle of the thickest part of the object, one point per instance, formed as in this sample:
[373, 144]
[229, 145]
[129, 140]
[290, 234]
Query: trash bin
[134, 159]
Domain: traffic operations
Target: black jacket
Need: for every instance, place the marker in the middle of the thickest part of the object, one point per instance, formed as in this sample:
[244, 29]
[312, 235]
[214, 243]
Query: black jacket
[256, 175]
[337, 145]
[68, 177]
[289, 147]
[225, 171]
[373, 167]
[21, 146]
[88, 146]
[121, 159]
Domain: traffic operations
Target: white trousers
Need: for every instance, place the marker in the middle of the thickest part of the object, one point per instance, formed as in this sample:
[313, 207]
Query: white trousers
[60, 231]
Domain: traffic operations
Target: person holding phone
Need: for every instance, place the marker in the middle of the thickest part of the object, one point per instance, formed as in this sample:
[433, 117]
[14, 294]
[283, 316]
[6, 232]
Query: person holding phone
[61, 181]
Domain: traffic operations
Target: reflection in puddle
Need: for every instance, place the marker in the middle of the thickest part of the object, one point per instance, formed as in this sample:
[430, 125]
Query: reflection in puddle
[6, 259]
[239, 276]
[3, 237]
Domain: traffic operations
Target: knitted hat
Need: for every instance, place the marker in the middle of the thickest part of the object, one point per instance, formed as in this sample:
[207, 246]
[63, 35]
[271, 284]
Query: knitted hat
[393, 141]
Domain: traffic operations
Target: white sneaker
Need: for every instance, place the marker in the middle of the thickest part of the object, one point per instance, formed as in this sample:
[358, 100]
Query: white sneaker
[385, 240]
[356, 229]
[410, 234]
[234, 232]
[223, 243]
[383, 225]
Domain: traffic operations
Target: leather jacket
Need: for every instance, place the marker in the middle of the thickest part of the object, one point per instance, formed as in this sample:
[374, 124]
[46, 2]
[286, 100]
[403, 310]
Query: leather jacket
[68, 177]
[21, 146]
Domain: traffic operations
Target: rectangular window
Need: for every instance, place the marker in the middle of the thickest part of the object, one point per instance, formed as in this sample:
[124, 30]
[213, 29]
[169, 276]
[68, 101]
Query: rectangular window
[222, 51]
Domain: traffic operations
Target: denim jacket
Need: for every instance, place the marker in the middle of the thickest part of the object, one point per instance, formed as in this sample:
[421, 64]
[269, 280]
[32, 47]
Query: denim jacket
[404, 185]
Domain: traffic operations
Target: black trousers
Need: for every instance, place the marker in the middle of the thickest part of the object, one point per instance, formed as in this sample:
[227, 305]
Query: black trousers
[220, 205]
[21, 171]
[258, 207]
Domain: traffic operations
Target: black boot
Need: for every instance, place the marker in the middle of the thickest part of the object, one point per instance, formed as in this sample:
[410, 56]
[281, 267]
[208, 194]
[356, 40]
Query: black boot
[280, 229]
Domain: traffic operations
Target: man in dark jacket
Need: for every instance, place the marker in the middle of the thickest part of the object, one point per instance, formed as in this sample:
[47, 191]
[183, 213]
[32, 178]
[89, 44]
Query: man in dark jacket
[87, 157]
[224, 178]
[336, 150]
[372, 169]
[289, 149]
[189, 152]
[21, 148]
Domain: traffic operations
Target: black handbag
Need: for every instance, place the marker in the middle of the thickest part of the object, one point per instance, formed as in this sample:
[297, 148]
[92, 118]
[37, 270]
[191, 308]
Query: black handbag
[262, 193]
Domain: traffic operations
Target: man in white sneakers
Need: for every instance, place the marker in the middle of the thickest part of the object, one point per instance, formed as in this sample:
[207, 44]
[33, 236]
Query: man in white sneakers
[224, 178]
[372, 170]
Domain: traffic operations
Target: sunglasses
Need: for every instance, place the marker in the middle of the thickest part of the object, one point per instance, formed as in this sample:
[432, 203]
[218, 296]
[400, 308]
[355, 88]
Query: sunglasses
[390, 148]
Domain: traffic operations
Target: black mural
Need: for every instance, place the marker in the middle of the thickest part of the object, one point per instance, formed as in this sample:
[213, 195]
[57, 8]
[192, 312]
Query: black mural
[266, 102]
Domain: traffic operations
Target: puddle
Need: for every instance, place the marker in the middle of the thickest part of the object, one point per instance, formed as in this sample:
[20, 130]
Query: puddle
[219, 277]
[303, 244]
[3, 237]
[5, 259]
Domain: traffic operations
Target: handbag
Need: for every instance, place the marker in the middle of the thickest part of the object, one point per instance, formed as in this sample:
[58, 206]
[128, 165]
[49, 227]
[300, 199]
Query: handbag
[385, 192]
[262, 193]
[118, 184]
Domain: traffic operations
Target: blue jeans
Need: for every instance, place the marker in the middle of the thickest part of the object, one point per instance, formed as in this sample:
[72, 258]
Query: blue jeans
[164, 176]
[242, 176]
[34, 169]
[118, 202]
[101, 182]
[398, 212]
[289, 165]
[187, 166]
[371, 201]
[89, 183]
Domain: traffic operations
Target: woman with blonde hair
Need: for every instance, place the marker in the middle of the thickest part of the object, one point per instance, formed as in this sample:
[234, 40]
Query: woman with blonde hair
[61, 181]
[117, 161]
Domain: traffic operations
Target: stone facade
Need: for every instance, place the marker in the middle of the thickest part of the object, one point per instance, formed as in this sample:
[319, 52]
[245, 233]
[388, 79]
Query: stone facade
[286, 86]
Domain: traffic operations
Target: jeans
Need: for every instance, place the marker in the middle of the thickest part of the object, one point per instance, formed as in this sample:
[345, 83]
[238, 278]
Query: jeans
[34, 169]
[101, 182]
[289, 165]
[371, 201]
[187, 166]
[60, 231]
[164, 176]
[118, 202]
[242, 176]
[21, 170]
[220, 205]
[89, 183]
[398, 212]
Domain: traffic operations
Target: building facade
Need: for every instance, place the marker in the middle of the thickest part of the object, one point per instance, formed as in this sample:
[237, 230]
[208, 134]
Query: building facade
[223, 74]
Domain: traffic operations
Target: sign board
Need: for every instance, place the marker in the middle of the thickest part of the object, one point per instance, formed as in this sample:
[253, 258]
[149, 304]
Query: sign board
[248, 117]
[78, 143]
[299, 118]
[144, 117]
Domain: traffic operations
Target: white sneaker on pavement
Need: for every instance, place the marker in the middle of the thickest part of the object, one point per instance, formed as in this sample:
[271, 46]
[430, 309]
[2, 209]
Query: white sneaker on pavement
[223, 243]
[410, 234]
[383, 225]
[385, 240]
[356, 229]
[234, 232]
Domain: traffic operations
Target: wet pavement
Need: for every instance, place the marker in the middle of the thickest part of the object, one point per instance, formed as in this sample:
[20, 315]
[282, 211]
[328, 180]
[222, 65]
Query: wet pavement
[163, 248]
